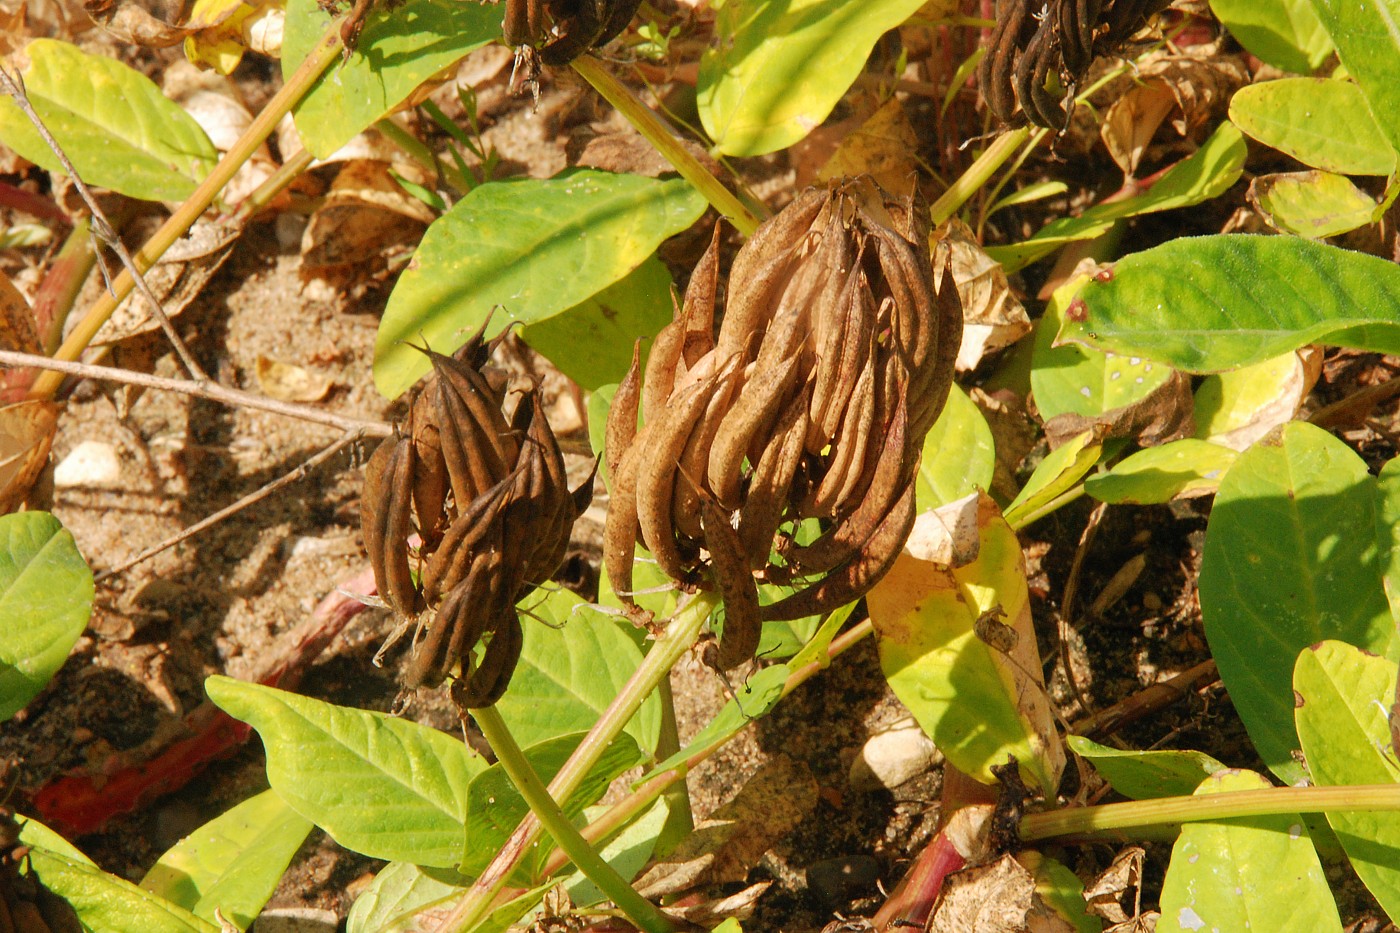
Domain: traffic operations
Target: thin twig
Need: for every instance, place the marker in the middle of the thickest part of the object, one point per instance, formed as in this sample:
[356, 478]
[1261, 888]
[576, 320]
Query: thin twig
[1067, 605]
[14, 87]
[268, 489]
[212, 391]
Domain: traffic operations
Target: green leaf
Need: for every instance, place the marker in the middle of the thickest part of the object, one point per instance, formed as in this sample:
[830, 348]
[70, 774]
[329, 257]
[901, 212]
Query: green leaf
[1061, 890]
[1207, 304]
[1161, 474]
[1312, 204]
[496, 807]
[1056, 475]
[1368, 43]
[574, 663]
[112, 122]
[1345, 694]
[976, 702]
[958, 454]
[232, 863]
[1290, 559]
[399, 893]
[776, 70]
[380, 786]
[591, 343]
[401, 46]
[1284, 33]
[533, 248]
[1084, 381]
[1322, 122]
[1228, 405]
[1388, 532]
[1205, 174]
[1146, 775]
[45, 602]
[1229, 875]
[106, 902]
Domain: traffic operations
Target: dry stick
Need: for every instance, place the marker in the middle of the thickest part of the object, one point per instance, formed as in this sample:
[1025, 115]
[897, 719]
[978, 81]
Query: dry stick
[101, 226]
[212, 391]
[1067, 604]
[325, 51]
[252, 498]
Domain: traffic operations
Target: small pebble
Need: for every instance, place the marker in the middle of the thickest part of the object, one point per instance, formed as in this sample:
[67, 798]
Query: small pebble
[891, 758]
[834, 881]
[92, 463]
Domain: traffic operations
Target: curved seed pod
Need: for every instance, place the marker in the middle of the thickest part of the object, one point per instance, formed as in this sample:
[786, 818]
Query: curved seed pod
[994, 74]
[431, 659]
[730, 569]
[770, 487]
[474, 462]
[374, 510]
[620, 528]
[759, 403]
[698, 310]
[399, 591]
[836, 357]
[661, 446]
[450, 563]
[461, 382]
[892, 473]
[1029, 80]
[660, 374]
[486, 598]
[488, 682]
[848, 463]
[854, 579]
[685, 499]
[621, 428]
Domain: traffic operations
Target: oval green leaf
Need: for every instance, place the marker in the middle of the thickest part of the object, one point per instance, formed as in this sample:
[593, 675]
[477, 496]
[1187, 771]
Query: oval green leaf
[1228, 875]
[1147, 775]
[959, 456]
[776, 70]
[1161, 474]
[232, 863]
[1084, 381]
[1290, 559]
[1237, 407]
[398, 893]
[1211, 303]
[45, 602]
[571, 668]
[1345, 694]
[1368, 43]
[1055, 475]
[401, 46]
[1388, 532]
[112, 122]
[380, 786]
[1312, 204]
[591, 342]
[533, 248]
[1285, 33]
[1205, 174]
[1322, 122]
[106, 902]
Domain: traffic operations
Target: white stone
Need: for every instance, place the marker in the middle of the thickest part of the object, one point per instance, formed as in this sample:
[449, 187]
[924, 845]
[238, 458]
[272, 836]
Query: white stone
[92, 463]
[892, 757]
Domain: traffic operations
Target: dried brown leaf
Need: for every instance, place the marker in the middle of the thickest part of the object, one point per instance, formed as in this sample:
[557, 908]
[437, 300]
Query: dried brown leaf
[992, 898]
[885, 148]
[993, 318]
[26, 436]
[289, 382]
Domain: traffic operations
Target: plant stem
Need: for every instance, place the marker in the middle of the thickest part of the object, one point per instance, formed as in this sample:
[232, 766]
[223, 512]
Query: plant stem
[546, 809]
[325, 51]
[681, 632]
[977, 174]
[416, 150]
[1034, 515]
[1138, 814]
[646, 122]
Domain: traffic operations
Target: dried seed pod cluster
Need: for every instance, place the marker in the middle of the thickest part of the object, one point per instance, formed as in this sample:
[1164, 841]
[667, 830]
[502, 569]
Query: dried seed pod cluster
[492, 510]
[562, 30]
[833, 359]
[1032, 39]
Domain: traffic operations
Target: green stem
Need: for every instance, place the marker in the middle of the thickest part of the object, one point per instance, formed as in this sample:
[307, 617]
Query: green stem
[646, 122]
[546, 809]
[681, 632]
[1017, 522]
[977, 174]
[1140, 814]
[420, 153]
[320, 58]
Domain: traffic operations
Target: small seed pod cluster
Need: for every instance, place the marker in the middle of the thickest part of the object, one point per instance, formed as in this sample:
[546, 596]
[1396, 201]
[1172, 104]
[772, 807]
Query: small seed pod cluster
[562, 30]
[489, 503]
[1033, 39]
[832, 361]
